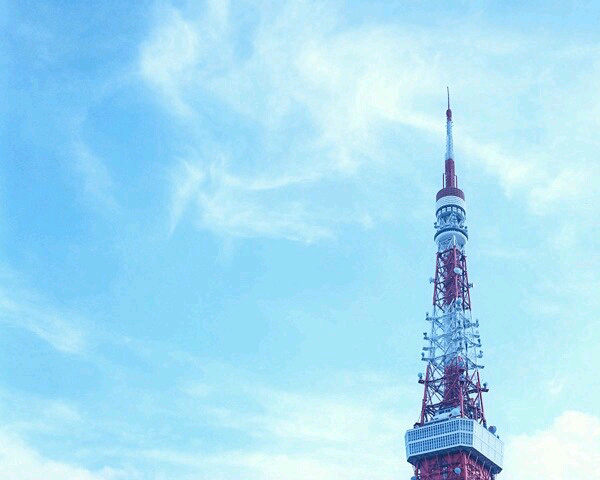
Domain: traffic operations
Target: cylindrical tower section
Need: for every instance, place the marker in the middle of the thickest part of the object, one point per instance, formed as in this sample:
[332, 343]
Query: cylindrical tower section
[451, 214]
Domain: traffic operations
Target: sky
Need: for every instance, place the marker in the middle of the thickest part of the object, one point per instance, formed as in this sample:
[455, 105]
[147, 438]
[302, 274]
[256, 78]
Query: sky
[216, 232]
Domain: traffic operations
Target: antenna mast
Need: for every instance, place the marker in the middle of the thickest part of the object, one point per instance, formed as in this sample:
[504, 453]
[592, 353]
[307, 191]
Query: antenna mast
[451, 440]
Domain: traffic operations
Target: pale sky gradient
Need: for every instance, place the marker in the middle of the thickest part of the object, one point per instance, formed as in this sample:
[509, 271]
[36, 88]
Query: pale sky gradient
[217, 232]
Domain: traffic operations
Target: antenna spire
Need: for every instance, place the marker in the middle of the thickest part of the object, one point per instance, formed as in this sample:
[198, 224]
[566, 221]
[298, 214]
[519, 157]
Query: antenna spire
[449, 146]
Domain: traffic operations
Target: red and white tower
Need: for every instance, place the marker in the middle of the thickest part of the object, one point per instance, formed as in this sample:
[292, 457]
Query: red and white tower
[451, 440]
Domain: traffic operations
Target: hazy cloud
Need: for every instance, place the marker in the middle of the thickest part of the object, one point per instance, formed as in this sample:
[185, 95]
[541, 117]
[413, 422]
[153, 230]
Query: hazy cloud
[57, 328]
[349, 85]
[21, 462]
[96, 182]
[569, 448]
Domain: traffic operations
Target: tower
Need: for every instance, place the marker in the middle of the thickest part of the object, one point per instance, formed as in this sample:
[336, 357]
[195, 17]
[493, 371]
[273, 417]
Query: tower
[452, 440]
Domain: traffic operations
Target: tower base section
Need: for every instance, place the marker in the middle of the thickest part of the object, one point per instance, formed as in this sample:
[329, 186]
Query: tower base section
[452, 466]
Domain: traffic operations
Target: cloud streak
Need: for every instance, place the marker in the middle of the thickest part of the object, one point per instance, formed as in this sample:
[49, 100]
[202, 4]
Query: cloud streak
[56, 328]
[349, 85]
[232, 205]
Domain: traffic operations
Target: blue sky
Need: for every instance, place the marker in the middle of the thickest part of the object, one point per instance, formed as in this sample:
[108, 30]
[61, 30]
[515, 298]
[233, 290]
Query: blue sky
[217, 232]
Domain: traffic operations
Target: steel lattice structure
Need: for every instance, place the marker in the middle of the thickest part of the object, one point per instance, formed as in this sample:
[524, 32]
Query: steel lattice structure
[451, 440]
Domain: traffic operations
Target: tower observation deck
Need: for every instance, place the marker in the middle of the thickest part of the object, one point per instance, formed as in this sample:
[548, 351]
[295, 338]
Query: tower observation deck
[451, 439]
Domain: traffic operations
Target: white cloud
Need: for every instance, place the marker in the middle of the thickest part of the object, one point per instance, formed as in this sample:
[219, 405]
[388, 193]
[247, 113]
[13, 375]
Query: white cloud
[570, 448]
[58, 329]
[18, 461]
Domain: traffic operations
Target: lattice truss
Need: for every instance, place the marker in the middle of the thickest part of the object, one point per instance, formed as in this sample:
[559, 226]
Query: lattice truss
[453, 350]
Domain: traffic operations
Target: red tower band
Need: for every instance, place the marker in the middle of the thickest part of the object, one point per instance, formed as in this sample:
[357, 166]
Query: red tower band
[452, 440]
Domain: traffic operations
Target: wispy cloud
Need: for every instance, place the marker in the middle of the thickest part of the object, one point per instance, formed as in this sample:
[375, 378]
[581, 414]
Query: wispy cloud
[271, 206]
[343, 100]
[21, 462]
[173, 51]
[352, 101]
[35, 415]
[351, 430]
[570, 186]
[96, 183]
[569, 448]
[348, 432]
[186, 181]
[349, 85]
[59, 329]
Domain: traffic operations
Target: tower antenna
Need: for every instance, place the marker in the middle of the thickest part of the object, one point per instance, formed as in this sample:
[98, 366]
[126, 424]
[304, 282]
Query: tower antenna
[451, 439]
[449, 144]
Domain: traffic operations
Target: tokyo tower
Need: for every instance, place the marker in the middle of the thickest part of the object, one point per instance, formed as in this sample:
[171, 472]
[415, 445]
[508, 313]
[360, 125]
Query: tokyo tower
[452, 440]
